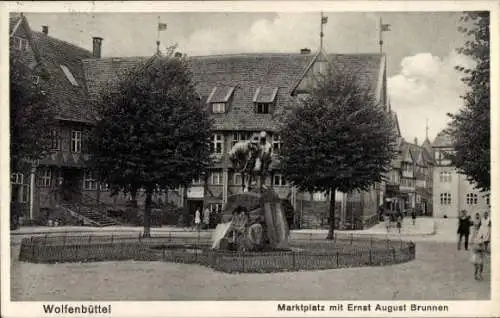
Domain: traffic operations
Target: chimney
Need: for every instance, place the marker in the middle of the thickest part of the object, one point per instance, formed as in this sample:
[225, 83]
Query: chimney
[415, 141]
[305, 51]
[97, 44]
[45, 29]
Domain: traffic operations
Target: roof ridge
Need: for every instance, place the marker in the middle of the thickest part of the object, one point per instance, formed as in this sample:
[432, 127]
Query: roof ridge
[62, 41]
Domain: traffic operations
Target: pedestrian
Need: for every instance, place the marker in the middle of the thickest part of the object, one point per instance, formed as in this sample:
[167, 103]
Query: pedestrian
[413, 216]
[399, 224]
[476, 226]
[463, 230]
[387, 221]
[478, 260]
[206, 217]
[197, 219]
[485, 230]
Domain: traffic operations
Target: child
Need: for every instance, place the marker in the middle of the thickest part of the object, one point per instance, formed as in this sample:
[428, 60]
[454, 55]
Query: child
[398, 223]
[478, 260]
[476, 225]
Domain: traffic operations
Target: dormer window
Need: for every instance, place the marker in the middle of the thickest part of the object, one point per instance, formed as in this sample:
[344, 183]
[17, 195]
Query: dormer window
[69, 75]
[262, 108]
[218, 108]
[220, 98]
[20, 44]
[264, 99]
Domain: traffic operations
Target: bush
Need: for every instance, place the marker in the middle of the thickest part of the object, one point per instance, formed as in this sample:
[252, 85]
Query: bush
[15, 213]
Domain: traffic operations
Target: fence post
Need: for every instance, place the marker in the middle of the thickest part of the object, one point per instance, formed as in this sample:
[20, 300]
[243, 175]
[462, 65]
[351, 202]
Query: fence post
[351, 238]
[370, 257]
[163, 254]
[293, 261]
[64, 240]
[400, 243]
[112, 235]
[371, 241]
[337, 259]
[90, 238]
[393, 254]
[45, 243]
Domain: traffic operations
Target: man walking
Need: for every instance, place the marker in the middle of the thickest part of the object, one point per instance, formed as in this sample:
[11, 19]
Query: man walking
[463, 231]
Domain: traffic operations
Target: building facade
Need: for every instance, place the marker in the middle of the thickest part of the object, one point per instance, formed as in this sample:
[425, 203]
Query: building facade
[245, 94]
[452, 191]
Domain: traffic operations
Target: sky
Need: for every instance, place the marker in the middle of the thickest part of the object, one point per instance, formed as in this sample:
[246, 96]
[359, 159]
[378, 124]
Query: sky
[420, 47]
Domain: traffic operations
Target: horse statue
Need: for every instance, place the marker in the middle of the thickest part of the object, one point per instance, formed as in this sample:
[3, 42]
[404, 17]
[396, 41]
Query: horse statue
[252, 158]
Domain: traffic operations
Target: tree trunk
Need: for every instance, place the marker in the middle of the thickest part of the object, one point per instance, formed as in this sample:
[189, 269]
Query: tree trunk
[331, 228]
[147, 214]
[98, 194]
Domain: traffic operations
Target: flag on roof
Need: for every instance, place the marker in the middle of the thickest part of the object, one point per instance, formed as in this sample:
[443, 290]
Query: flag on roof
[162, 26]
[324, 20]
[385, 27]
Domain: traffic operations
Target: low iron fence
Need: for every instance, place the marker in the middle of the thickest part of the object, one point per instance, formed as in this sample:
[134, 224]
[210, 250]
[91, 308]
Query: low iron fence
[305, 254]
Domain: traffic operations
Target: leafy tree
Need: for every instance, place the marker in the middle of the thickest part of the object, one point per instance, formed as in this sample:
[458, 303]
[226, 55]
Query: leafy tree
[338, 139]
[30, 113]
[470, 127]
[153, 132]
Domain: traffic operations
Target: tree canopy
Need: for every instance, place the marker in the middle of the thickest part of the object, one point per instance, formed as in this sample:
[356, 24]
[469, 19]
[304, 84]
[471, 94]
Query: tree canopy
[338, 139]
[154, 132]
[31, 114]
[470, 127]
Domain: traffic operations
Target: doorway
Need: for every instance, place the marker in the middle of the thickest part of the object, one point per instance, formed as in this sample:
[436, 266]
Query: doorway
[71, 187]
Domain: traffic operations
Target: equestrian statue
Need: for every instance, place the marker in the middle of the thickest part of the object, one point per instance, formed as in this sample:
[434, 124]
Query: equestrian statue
[251, 158]
[253, 220]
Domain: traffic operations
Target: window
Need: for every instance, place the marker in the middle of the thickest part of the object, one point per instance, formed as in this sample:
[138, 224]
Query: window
[445, 176]
[24, 192]
[240, 136]
[17, 178]
[69, 75]
[76, 141]
[319, 196]
[276, 144]
[104, 186]
[217, 144]
[262, 108]
[471, 198]
[237, 179]
[279, 180]
[488, 200]
[20, 44]
[197, 181]
[218, 108]
[89, 180]
[215, 208]
[445, 198]
[216, 178]
[45, 178]
[56, 141]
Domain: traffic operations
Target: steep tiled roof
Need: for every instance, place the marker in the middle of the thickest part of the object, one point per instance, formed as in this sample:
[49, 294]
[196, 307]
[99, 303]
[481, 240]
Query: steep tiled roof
[247, 72]
[13, 21]
[70, 99]
[443, 140]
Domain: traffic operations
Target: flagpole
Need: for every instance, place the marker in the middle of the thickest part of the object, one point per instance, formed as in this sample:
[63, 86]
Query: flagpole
[158, 36]
[321, 33]
[380, 41]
